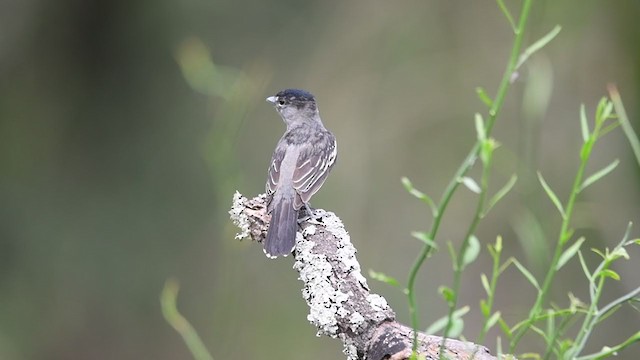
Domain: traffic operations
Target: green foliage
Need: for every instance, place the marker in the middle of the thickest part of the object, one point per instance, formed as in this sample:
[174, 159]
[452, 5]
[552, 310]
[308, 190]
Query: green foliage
[484, 146]
[600, 174]
[168, 301]
[235, 90]
[441, 323]
[557, 320]
[542, 42]
[500, 194]
[420, 195]
[552, 195]
[550, 323]
[383, 278]
[471, 251]
[424, 237]
[624, 122]
[484, 97]
[569, 253]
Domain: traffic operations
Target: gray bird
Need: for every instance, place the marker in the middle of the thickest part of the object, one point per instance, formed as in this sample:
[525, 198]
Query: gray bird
[299, 166]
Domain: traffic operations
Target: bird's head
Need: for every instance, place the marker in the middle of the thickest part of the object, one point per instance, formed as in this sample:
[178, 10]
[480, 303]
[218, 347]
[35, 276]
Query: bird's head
[295, 106]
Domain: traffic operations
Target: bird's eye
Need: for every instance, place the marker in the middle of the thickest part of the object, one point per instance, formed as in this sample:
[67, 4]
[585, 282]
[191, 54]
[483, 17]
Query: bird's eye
[281, 102]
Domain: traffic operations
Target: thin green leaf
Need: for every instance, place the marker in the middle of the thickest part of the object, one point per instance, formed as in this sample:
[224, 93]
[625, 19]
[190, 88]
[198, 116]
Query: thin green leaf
[575, 303]
[493, 320]
[629, 297]
[420, 195]
[486, 150]
[505, 328]
[527, 274]
[624, 121]
[505, 265]
[607, 129]
[584, 266]
[441, 323]
[626, 233]
[609, 273]
[492, 251]
[597, 251]
[447, 294]
[569, 253]
[585, 150]
[604, 110]
[484, 97]
[612, 310]
[437, 326]
[607, 111]
[480, 131]
[551, 195]
[485, 283]
[599, 174]
[564, 349]
[471, 252]
[600, 109]
[542, 42]
[484, 308]
[471, 184]
[584, 123]
[500, 194]
[457, 325]
[567, 235]
[507, 15]
[540, 332]
[383, 278]
[498, 245]
[424, 237]
[619, 252]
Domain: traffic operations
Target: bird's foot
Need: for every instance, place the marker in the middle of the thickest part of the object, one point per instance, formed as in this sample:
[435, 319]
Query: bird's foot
[309, 215]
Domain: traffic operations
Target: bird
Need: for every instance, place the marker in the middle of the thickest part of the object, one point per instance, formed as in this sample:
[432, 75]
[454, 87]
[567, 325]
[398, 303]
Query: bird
[300, 164]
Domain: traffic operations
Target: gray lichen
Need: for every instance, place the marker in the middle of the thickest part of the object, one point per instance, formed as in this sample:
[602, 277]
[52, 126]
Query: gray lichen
[238, 215]
[350, 347]
[323, 298]
[334, 287]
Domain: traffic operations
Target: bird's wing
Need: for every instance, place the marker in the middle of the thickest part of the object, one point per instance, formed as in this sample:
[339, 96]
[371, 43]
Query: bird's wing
[312, 168]
[273, 175]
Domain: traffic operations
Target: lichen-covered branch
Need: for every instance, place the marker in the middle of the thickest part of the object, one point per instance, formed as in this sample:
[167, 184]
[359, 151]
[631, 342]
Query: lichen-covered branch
[340, 303]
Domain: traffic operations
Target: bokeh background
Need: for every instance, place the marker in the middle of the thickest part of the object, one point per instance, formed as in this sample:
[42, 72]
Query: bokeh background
[126, 127]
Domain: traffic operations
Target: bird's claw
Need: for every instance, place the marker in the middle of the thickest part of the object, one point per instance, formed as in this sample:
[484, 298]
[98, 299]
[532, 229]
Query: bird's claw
[310, 215]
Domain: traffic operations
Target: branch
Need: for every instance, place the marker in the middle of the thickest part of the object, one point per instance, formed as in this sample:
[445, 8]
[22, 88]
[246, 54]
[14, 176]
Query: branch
[340, 303]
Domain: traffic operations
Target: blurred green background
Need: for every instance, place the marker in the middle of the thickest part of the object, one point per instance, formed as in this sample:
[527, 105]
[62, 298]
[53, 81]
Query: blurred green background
[126, 126]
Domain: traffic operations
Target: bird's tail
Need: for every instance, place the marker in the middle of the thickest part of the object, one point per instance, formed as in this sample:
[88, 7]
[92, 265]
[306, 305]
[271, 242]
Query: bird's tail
[281, 236]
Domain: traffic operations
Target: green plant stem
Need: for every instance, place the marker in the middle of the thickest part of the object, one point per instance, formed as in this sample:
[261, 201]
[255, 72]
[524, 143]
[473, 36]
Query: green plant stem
[566, 322]
[563, 237]
[495, 273]
[589, 321]
[459, 265]
[543, 316]
[612, 350]
[168, 300]
[595, 315]
[466, 165]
